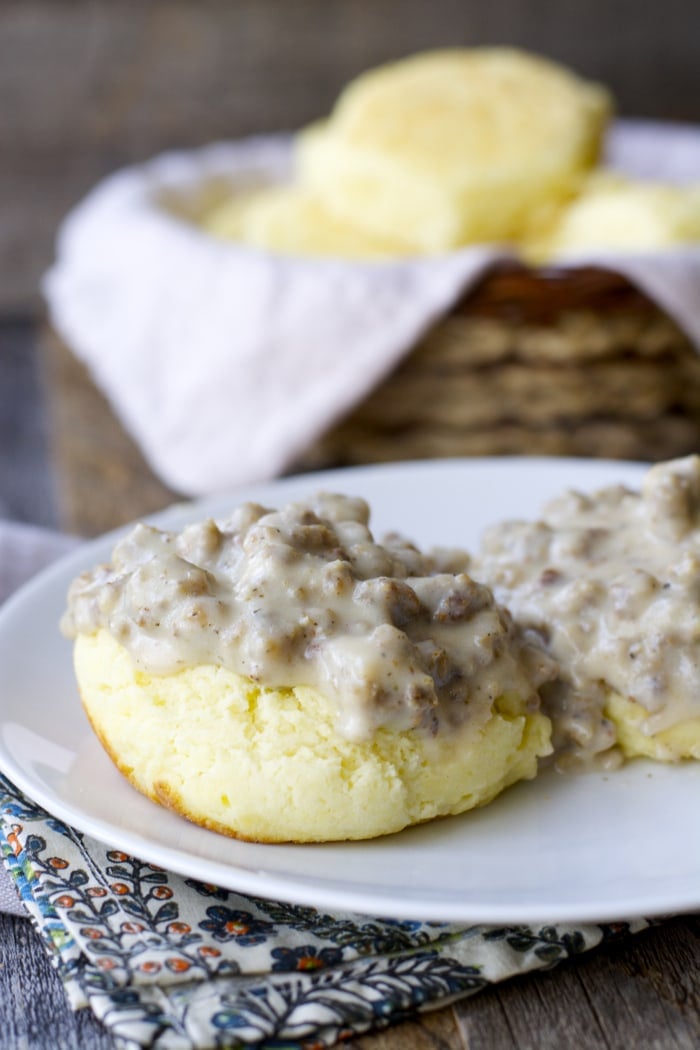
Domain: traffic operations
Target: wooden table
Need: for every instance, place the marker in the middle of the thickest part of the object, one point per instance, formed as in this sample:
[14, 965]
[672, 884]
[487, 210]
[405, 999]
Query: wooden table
[643, 992]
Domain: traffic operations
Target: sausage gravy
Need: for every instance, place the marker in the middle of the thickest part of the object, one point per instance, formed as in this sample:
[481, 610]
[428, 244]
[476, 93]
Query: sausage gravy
[610, 584]
[306, 596]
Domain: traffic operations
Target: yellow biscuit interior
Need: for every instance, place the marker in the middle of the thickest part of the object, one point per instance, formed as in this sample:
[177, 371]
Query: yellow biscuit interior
[268, 765]
[668, 745]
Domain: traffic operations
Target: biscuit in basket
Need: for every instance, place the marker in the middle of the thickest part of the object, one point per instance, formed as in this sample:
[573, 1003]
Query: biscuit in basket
[453, 147]
[283, 677]
[292, 221]
[625, 214]
[610, 582]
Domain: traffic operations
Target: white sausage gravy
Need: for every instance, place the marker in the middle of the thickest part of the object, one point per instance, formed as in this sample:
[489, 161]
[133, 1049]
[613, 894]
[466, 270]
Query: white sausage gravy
[306, 596]
[610, 583]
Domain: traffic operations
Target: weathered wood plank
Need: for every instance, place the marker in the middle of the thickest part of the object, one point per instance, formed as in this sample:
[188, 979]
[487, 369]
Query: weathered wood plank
[34, 1012]
[432, 1031]
[26, 488]
[651, 992]
[102, 478]
[89, 85]
[642, 991]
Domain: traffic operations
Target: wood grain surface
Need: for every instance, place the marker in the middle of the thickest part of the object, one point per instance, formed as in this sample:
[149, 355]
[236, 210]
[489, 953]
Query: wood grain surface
[26, 478]
[102, 479]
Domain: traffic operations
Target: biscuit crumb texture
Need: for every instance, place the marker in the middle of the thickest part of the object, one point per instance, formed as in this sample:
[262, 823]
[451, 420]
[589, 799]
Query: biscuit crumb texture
[632, 722]
[268, 765]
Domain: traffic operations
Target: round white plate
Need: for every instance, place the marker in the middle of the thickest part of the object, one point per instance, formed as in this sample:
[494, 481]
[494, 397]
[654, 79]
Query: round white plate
[580, 848]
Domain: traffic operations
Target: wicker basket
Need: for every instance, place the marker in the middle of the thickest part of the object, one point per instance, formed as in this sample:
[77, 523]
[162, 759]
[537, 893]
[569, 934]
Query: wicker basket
[534, 362]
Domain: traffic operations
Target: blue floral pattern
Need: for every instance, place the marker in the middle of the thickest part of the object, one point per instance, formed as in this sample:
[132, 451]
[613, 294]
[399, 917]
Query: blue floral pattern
[174, 963]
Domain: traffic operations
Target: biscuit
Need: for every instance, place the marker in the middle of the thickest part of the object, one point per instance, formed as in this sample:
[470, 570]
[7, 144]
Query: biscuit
[267, 764]
[291, 221]
[623, 214]
[454, 147]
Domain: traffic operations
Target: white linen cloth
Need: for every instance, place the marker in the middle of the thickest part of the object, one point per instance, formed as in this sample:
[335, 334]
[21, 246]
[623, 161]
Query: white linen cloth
[226, 363]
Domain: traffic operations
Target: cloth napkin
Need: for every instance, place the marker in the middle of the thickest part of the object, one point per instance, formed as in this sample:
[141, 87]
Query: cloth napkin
[168, 962]
[227, 363]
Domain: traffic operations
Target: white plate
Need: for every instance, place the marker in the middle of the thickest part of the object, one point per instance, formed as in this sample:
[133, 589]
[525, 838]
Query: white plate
[582, 848]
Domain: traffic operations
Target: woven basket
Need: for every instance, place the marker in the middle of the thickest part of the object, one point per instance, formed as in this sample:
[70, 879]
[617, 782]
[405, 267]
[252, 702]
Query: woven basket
[534, 362]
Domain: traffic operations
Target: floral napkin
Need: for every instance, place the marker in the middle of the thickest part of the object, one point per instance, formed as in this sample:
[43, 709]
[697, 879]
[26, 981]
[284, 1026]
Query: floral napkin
[169, 962]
